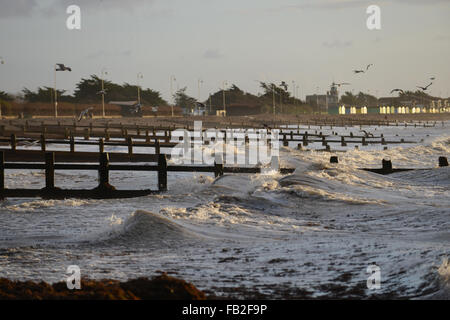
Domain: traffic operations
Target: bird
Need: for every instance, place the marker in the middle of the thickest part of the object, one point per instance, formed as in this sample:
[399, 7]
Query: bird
[341, 84]
[368, 66]
[85, 113]
[62, 67]
[367, 134]
[358, 71]
[135, 109]
[397, 90]
[432, 78]
[425, 88]
[102, 92]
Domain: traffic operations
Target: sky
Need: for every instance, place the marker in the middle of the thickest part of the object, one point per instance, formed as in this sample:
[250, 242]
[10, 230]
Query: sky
[310, 42]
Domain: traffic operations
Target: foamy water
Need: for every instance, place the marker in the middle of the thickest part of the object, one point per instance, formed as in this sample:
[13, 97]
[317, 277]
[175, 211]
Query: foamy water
[313, 231]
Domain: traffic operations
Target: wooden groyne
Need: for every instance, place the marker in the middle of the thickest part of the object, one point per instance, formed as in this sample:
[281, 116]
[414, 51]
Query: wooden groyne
[50, 162]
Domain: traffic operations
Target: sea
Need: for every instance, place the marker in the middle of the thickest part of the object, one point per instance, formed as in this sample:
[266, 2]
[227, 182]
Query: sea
[328, 230]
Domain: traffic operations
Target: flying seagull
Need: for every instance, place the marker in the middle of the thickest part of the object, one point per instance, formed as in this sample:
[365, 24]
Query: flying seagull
[102, 92]
[367, 134]
[368, 66]
[432, 78]
[397, 90]
[62, 67]
[425, 88]
[358, 71]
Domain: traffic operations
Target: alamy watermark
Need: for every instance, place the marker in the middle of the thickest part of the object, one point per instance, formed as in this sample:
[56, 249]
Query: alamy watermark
[231, 146]
[374, 20]
[73, 280]
[374, 280]
[73, 22]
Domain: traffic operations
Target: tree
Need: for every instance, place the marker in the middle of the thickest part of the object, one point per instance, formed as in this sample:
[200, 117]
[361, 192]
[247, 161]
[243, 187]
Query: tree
[6, 96]
[89, 91]
[361, 99]
[45, 94]
[182, 100]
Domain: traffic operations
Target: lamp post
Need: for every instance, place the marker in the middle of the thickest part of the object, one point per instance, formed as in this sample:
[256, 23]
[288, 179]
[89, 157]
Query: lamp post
[172, 78]
[56, 96]
[293, 89]
[139, 76]
[199, 83]
[223, 91]
[1, 62]
[273, 97]
[103, 91]
[58, 67]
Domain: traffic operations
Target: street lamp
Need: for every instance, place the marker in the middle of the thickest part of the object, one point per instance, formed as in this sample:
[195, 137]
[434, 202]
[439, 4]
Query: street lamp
[104, 72]
[223, 90]
[200, 82]
[58, 67]
[139, 76]
[293, 89]
[1, 62]
[273, 97]
[172, 78]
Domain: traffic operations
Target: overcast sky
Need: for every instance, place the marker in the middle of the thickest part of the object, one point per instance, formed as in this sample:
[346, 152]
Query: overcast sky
[313, 42]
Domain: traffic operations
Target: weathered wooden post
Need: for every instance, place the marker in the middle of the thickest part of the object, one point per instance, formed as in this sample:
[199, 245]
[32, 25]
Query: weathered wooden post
[13, 142]
[343, 143]
[386, 165]
[157, 147]
[72, 143]
[147, 138]
[363, 141]
[2, 174]
[285, 141]
[130, 146]
[49, 171]
[2, 130]
[334, 159]
[162, 172]
[218, 165]
[101, 145]
[443, 162]
[103, 171]
[86, 134]
[43, 142]
[106, 134]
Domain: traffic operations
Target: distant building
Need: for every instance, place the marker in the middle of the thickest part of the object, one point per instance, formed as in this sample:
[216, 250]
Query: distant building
[241, 109]
[128, 108]
[323, 102]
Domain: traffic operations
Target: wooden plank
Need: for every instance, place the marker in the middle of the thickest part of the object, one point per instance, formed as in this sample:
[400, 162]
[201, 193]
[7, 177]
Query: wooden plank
[71, 157]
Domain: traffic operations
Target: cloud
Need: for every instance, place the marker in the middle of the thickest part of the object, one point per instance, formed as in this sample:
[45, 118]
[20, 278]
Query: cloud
[343, 4]
[25, 8]
[104, 54]
[338, 44]
[17, 8]
[212, 54]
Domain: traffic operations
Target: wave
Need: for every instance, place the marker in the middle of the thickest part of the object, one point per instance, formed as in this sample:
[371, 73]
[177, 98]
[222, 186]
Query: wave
[143, 226]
